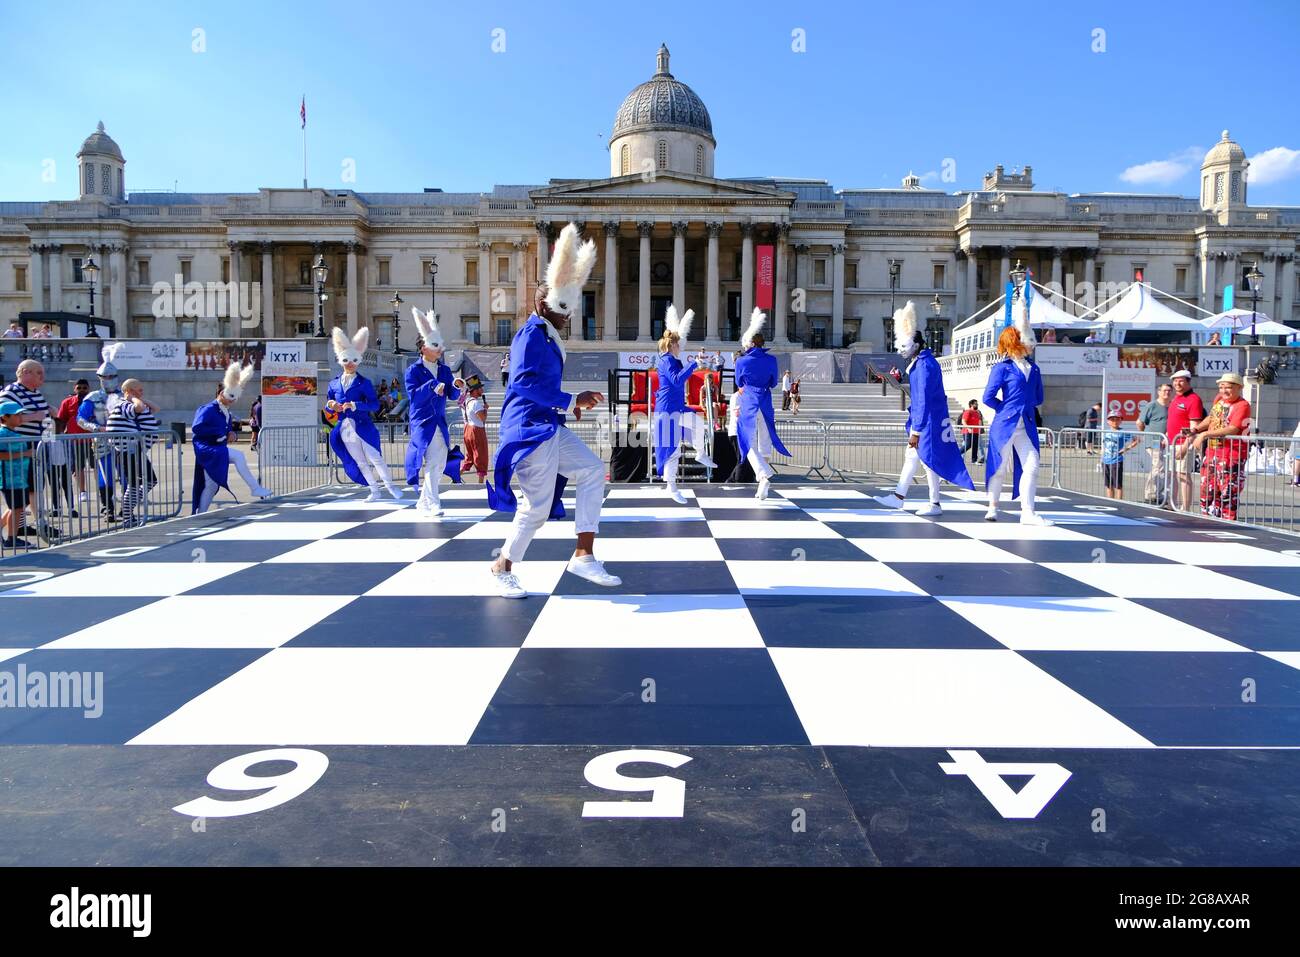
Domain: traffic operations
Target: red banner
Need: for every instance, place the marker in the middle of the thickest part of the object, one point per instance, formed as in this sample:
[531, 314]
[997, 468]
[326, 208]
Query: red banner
[764, 276]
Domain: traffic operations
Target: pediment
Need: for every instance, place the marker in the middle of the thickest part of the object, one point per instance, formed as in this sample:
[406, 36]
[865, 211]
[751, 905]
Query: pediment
[664, 183]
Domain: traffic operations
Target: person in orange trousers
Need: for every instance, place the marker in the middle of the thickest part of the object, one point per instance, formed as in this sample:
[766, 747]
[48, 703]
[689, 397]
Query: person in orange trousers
[476, 443]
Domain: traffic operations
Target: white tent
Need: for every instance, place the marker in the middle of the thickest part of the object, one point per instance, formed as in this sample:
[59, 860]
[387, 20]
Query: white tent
[1235, 319]
[1042, 315]
[1138, 310]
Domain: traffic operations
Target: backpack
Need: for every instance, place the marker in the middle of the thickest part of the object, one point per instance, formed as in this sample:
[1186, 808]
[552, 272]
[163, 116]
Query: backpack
[1083, 419]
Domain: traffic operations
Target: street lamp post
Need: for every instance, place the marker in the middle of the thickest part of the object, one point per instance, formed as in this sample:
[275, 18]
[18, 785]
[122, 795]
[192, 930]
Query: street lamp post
[397, 323]
[433, 284]
[895, 269]
[937, 306]
[320, 272]
[91, 270]
[1254, 277]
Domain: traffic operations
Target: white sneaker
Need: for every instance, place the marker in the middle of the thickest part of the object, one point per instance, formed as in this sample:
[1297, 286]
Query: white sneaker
[678, 497]
[706, 461]
[763, 485]
[1033, 518]
[262, 492]
[890, 500]
[394, 491]
[930, 510]
[592, 570]
[374, 495]
[508, 585]
[992, 514]
[428, 510]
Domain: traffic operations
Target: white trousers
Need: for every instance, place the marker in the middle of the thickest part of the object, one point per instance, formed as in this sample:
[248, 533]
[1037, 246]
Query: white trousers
[912, 462]
[1020, 441]
[562, 454]
[691, 428]
[760, 450]
[210, 486]
[435, 460]
[370, 461]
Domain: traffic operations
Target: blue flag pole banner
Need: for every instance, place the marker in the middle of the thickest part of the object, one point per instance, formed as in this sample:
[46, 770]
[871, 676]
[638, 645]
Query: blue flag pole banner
[1008, 294]
[1029, 291]
[1227, 298]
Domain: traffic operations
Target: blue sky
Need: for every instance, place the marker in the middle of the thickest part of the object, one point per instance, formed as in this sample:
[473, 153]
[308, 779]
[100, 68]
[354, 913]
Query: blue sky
[414, 94]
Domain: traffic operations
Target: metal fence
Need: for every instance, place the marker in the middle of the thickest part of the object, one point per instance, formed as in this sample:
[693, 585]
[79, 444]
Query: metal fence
[294, 458]
[63, 488]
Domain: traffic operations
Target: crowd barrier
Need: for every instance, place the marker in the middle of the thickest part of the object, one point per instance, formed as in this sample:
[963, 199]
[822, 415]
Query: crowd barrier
[294, 458]
[80, 486]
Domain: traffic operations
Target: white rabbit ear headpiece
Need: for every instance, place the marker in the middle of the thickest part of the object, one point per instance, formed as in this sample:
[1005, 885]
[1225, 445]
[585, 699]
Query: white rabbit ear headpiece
[567, 271]
[350, 350]
[684, 325]
[427, 325]
[107, 369]
[756, 320]
[237, 377]
[908, 338]
[1020, 318]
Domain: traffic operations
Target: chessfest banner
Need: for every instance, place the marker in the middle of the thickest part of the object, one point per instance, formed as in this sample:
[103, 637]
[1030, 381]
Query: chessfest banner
[290, 398]
[1127, 391]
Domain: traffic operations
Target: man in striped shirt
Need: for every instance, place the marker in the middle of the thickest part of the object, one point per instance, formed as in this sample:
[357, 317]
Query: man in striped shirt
[26, 391]
[130, 412]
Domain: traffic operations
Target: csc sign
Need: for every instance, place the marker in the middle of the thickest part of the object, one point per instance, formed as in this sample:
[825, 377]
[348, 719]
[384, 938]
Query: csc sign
[1215, 362]
[637, 360]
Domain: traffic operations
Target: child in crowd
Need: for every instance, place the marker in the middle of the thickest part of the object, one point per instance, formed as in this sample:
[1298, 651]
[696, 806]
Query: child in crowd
[15, 450]
[1112, 456]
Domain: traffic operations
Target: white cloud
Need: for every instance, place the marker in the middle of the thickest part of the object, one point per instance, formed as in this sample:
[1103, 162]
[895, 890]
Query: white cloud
[930, 176]
[1273, 166]
[1166, 170]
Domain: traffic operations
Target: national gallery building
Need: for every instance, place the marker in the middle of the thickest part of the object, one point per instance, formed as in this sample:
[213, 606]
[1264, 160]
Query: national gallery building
[666, 229]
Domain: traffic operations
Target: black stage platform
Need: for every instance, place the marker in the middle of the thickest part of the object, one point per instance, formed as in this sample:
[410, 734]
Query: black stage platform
[809, 680]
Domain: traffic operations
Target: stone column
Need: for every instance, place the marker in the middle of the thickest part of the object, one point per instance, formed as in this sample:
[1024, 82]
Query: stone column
[711, 284]
[1202, 278]
[37, 278]
[267, 292]
[236, 278]
[963, 286]
[837, 297]
[609, 321]
[801, 281]
[523, 307]
[1268, 295]
[746, 272]
[779, 331]
[1286, 263]
[117, 291]
[486, 326]
[643, 286]
[1088, 271]
[1057, 252]
[679, 266]
[56, 277]
[1005, 274]
[543, 248]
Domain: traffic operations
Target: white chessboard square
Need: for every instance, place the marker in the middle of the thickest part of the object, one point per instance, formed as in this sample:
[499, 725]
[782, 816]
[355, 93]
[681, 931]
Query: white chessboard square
[1137, 580]
[766, 578]
[746, 502]
[665, 548]
[348, 551]
[130, 579]
[361, 696]
[894, 697]
[1008, 529]
[563, 528]
[811, 494]
[652, 513]
[725, 528]
[644, 621]
[1288, 658]
[1083, 624]
[646, 491]
[387, 504]
[209, 621]
[279, 531]
[936, 550]
[7, 653]
[1216, 553]
[865, 515]
[465, 579]
[450, 513]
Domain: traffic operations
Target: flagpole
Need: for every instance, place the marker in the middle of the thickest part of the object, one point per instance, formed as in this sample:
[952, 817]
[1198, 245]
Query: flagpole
[304, 141]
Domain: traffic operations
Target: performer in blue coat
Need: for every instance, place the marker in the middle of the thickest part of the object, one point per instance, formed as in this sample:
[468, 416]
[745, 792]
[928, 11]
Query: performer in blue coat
[673, 422]
[210, 433]
[535, 447]
[429, 385]
[757, 373]
[356, 440]
[1014, 392]
[930, 438]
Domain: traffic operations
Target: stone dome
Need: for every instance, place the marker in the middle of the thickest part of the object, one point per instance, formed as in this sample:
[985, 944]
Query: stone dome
[1224, 151]
[101, 144]
[663, 103]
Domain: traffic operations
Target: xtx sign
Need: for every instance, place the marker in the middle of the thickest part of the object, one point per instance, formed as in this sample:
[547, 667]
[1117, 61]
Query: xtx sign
[1215, 362]
[286, 352]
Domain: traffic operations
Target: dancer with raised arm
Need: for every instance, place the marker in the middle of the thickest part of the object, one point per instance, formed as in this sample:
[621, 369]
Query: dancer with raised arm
[429, 384]
[757, 374]
[674, 423]
[356, 440]
[535, 447]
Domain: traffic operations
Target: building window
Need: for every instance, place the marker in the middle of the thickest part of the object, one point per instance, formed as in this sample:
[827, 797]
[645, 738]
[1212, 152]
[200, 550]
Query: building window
[851, 275]
[503, 269]
[625, 160]
[1205, 190]
[90, 177]
[187, 270]
[1236, 186]
[142, 271]
[819, 272]
[105, 178]
[939, 277]
[1218, 187]
[737, 266]
[185, 327]
[1180, 279]
[304, 272]
[77, 275]
[384, 278]
[699, 158]
[589, 315]
[1139, 272]
[225, 269]
[20, 278]
[121, 192]
[661, 154]
[979, 277]
[470, 326]
[503, 333]
[471, 272]
[143, 327]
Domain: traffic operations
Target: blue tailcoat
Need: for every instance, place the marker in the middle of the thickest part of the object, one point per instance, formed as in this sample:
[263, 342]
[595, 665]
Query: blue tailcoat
[363, 394]
[531, 411]
[757, 373]
[210, 429]
[670, 403]
[1019, 398]
[428, 414]
[928, 415]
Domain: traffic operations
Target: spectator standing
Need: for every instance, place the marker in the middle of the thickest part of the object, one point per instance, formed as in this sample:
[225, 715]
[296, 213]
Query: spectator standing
[1295, 455]
[1222, 435]
[474, 407]
[795, 398]
[1155, 418]
[80, 453]
[14, 331]
[130, 413]
[505, 369]
[26, 391]
[15, 467]
[1112, 456]
[972, 420]
[1185, 412]
[1093, 423]
[43, 332]
[255, 422]
[785, 391]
